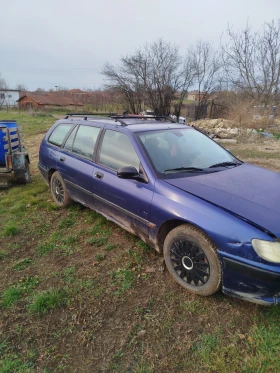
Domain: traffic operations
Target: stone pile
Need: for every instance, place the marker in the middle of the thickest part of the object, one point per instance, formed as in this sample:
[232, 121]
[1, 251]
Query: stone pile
[222, 128]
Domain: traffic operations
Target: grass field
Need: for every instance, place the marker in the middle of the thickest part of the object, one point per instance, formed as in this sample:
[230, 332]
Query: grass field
[79, 294]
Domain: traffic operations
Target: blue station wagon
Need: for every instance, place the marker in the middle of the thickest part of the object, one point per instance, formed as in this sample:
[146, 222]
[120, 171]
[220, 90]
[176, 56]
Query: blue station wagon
[215, 218]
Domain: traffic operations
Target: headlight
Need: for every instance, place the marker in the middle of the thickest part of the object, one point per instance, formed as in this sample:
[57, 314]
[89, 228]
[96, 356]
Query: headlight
[267, 250]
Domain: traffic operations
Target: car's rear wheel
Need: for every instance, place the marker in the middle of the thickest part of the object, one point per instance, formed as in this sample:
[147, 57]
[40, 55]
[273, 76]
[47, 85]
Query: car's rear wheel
[192, 260]
[59, 191]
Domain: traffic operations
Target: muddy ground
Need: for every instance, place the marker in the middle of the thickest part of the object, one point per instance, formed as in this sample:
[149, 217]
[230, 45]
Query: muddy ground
[119, 310]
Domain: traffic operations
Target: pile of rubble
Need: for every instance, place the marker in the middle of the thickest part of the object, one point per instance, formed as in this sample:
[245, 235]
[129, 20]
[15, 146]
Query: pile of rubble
[222, 129]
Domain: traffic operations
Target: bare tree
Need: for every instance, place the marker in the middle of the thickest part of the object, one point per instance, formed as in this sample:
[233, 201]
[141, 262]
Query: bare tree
[164, 75]
[186, 81]
[252, 62]
[125, 80]
[153, 76]
[206, 68]
[3, 86]
[22, 87]
[40, 91]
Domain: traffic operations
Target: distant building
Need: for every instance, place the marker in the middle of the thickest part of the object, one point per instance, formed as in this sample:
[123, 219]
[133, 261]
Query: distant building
[76, 91]
[194, 95]
[48, 100]
[9, 97]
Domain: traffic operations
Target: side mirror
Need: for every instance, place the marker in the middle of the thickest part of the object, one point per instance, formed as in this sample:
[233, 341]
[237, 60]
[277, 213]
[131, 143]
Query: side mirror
[128, 172]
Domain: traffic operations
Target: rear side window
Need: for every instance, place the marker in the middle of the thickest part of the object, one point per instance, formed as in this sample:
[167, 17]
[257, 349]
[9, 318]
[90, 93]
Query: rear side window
[85, 141]
[117, 151]
[59, 133]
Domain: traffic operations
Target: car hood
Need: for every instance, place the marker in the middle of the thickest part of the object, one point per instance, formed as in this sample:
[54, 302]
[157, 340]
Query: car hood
[251, 192]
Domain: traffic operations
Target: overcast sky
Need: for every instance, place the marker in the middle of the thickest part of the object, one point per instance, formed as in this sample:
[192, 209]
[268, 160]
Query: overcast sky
[66, 42]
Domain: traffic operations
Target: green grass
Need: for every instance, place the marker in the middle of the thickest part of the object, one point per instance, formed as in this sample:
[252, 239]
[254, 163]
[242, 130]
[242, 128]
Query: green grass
[196, 306]
[11, 296]
[14, 245]
[143, 246]
[100, 257]
[46, 248]
[111, 246]
[144, 368]
[145, 311]
[263, 345]
[31, 124]
[122, 279]
[13, 364]
[22, 264]
[97, 241]
[70, 240]
[3, 254]
[66, 223]
[14, 293]
[48, 300]
[249, 153]
[68, 250]
[10, 230]
[69, 274]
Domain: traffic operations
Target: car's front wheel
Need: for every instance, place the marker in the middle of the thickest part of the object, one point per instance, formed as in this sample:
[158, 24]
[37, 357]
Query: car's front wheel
[59, 191]
[192, 260]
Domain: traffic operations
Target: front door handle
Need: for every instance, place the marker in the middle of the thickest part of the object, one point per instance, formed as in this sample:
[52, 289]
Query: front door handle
[62, 159]
[99, 175]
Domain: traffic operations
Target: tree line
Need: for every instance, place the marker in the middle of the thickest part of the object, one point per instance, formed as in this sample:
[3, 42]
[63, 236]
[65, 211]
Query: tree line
[246, 65]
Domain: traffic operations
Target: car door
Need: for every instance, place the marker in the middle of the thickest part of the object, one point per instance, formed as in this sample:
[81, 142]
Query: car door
[125, 201]
[75, 164]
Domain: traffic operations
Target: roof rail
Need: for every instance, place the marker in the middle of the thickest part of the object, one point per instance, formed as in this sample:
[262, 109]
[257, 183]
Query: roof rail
[86, 115]
[120, 118]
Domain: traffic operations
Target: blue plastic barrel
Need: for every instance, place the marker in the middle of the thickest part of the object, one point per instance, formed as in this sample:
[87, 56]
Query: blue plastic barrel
[5, 124]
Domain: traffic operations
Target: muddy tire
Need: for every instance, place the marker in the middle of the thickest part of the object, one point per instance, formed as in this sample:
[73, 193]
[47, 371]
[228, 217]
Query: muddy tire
[59, 191]
[26, 178]
[192, 260]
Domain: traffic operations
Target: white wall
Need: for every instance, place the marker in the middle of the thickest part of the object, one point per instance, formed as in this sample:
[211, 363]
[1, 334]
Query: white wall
[8, 97]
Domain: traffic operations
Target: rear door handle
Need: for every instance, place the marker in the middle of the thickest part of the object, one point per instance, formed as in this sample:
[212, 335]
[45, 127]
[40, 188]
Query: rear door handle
[62, 159]
[99, 175]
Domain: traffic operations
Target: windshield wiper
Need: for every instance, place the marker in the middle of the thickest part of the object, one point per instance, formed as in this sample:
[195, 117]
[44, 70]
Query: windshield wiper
[222, 164]
[184, 169]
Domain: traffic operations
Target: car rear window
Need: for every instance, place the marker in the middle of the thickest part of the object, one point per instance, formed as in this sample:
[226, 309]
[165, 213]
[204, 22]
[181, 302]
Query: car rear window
[59, 133]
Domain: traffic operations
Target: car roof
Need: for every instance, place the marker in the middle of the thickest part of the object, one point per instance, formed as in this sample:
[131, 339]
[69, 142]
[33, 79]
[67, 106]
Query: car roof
[133, 124]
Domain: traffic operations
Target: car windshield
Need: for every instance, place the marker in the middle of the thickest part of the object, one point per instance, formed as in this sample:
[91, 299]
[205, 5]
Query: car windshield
[184, 150]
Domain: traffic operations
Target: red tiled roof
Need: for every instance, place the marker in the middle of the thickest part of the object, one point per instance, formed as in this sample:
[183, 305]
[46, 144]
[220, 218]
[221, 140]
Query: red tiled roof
[51, 99]
[75, 90]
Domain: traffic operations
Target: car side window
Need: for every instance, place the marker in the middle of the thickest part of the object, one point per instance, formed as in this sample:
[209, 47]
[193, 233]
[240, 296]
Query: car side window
[84, 141]
[59, 133]
[117, 151]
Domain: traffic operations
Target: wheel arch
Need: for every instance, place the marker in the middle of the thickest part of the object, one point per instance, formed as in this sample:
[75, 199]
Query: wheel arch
[27, 158]
[169, 225]
[50, 172]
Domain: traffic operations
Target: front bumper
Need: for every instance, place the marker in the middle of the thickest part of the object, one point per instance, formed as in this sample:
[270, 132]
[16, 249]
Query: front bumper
[254, 282]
